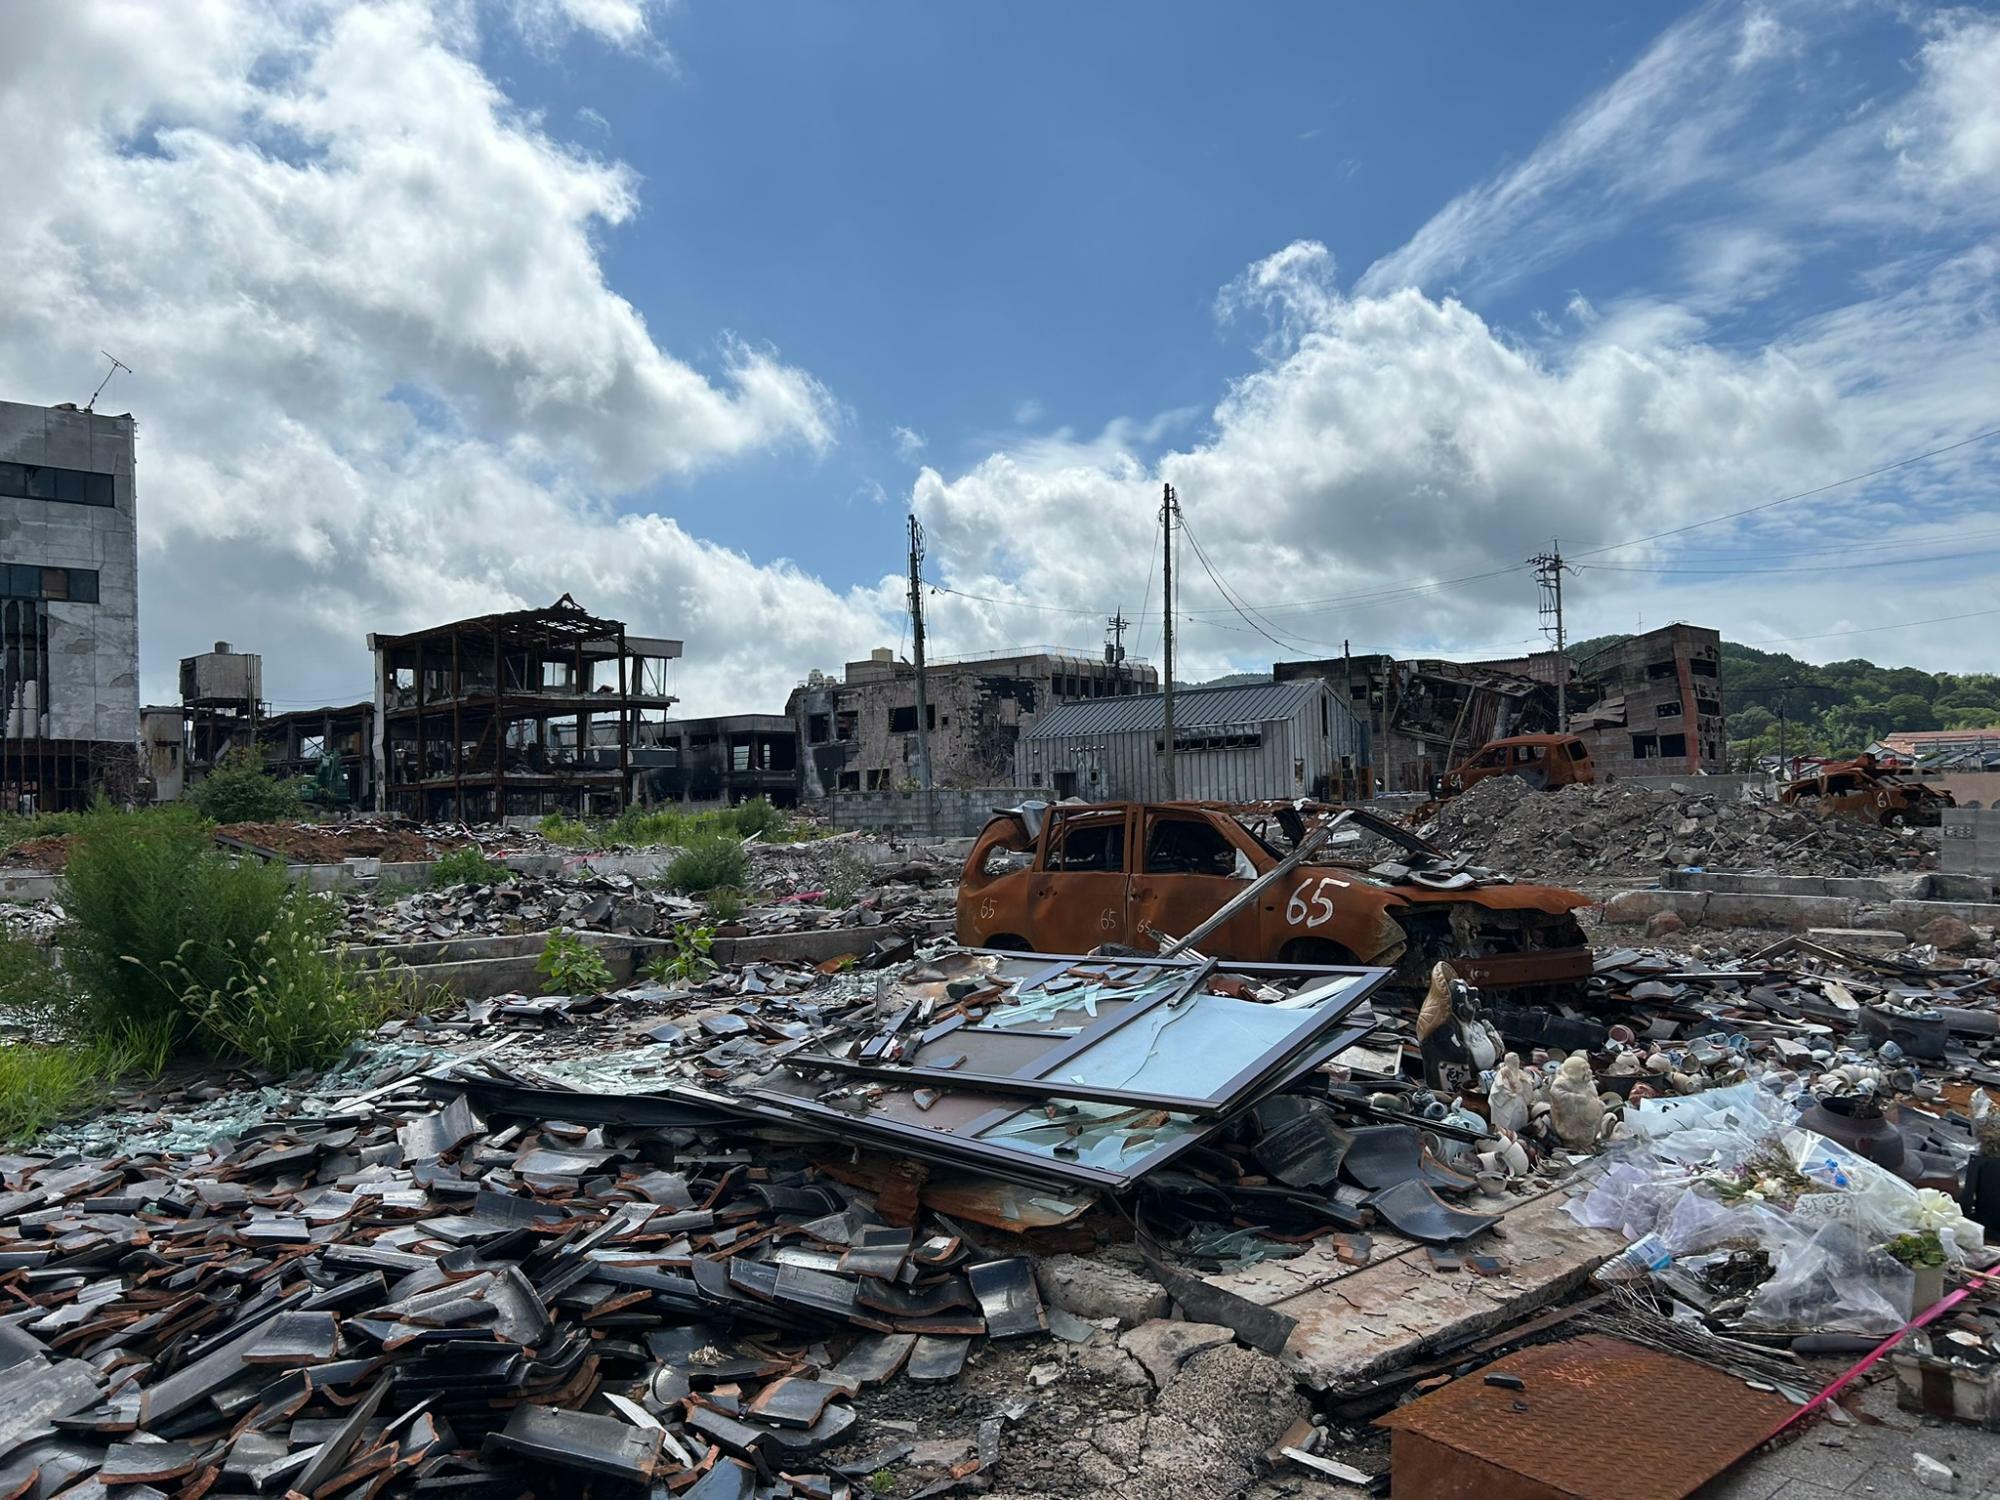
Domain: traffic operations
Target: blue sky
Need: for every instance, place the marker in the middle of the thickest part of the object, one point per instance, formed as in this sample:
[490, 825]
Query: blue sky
[437, 308]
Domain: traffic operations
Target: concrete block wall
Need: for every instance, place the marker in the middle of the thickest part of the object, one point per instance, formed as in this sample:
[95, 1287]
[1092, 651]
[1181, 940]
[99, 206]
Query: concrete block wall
[947, 813]
[1969, 841]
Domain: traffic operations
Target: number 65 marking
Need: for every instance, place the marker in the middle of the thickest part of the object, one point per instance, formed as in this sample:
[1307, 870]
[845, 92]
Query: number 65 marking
[1299, 912]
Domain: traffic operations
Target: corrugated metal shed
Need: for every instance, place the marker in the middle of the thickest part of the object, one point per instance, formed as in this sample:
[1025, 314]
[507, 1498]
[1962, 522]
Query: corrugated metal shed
[1194, 708]
[1234, 744]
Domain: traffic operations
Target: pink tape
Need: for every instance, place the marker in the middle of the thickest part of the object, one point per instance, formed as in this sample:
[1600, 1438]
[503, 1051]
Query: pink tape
[1868, 1361]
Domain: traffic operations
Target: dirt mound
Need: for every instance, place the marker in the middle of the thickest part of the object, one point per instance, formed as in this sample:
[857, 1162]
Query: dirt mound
[330, 843]
[49, 852]
[1620, 831]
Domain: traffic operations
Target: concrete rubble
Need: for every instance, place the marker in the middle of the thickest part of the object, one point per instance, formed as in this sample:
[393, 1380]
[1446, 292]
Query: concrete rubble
[1597, 833]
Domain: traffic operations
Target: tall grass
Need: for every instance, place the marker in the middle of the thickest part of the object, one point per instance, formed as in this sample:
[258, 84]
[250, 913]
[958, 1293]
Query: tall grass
[710, 861]
[43, 1085]
[644, 827]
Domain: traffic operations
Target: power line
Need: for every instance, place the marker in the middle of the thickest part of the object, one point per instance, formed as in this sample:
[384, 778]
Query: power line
[1751, 510]
[1785, 640]
[1209, 568]
[1878, 562]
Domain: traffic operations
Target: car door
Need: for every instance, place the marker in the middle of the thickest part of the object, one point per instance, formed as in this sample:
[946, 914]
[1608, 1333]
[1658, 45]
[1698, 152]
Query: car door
[1187, 866]
[1077, 891]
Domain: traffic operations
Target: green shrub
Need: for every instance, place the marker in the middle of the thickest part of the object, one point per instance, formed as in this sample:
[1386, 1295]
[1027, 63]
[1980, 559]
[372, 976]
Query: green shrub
[710, 861]
[725, 903]
[572, 966]
[687, 962]
[154, 912]
[238, 791]
[757, 816]
[467, 866]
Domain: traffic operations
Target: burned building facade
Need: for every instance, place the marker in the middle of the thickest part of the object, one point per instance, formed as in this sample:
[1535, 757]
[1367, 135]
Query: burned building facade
[1424, 717]
[859, 733]
[1649, 705]
[1656, 704]
[731, 758]
[521, 714]
[331, 748]
[69, 607]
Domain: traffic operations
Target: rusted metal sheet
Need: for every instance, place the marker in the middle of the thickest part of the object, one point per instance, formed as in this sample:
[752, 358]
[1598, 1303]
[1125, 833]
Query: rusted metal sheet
[1592, 1418]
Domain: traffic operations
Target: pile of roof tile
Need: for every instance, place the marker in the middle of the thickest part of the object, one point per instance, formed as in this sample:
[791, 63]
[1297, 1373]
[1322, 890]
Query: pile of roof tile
[383, 1300]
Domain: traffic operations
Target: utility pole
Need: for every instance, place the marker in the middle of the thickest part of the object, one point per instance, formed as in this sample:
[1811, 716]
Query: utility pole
[1169, 509]
[1549, 574]
[1114, 650]
[917, 650]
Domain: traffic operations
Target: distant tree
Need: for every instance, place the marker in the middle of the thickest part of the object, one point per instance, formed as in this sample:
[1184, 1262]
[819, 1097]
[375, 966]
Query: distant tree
[1908, 711]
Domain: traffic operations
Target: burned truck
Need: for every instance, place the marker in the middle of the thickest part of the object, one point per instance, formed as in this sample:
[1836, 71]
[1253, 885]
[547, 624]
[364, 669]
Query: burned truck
[1071, 877]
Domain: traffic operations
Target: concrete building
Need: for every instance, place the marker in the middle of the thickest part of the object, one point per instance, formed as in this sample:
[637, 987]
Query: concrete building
[728, 759]
[1651, 705]
[1655, 704]
[859, 734]
[69, 607]
[1235, 744]
[521, 714]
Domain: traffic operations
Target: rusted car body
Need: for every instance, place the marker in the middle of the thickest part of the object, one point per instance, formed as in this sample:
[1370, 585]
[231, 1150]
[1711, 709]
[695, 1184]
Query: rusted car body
[1070, 877]
[1864, 788]
[1544, 761]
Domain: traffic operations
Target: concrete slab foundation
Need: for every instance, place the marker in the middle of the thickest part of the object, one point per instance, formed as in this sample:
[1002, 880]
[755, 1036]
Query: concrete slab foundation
[1357, 1322]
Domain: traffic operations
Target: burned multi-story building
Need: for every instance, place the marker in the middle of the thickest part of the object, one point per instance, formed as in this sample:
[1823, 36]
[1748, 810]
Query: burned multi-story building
[1424, 717]
[1656, 704]
[521, 714]
[69, 607]
[860, 733]
[332, 748]
[731, 758]
[1650, 704]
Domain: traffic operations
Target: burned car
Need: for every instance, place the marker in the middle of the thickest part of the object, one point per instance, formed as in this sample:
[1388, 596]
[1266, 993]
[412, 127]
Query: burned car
[1864, 788]
[1070, 877]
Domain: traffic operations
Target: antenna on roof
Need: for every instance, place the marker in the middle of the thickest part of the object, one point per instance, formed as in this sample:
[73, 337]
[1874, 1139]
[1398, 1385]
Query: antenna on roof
[117, 364]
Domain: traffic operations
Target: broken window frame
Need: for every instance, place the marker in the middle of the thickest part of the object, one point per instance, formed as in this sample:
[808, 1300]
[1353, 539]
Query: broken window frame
[1270, 1071]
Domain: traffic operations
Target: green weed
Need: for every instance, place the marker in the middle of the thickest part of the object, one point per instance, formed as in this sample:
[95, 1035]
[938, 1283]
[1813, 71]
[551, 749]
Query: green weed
[572, 966]
[15, 829]
[687, 962]
[846, 876]
[725, 903]
[569, 832]
[467, 866]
